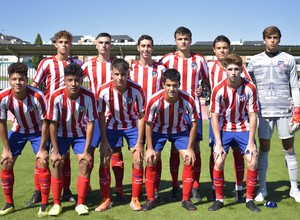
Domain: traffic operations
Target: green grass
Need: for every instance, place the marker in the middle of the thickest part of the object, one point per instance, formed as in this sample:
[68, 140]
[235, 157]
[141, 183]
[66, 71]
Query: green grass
[278, 188]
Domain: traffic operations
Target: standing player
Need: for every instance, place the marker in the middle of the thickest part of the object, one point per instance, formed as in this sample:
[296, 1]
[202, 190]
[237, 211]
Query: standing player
[69, 107]
[148, 74]
[97, 70]
[51, 72]
[275, 75]
[165, 121]
[29, 107]
[234, 119]
[124, 100]
[221, 48]
[193, 69]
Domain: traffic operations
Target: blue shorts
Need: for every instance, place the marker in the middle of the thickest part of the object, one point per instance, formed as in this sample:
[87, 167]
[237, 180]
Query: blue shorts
[239, 139]
[17, 142]
[97, 136]
[114, 137]
[78, 145]
[199, 136]
[180, 140]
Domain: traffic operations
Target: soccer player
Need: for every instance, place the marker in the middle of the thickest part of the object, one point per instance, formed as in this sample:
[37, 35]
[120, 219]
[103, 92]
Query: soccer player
[193, 69]
[165, 121]
[97, 70]
[29, 107]
[221, 48]
[124, 100]
[275, 75]
[51, 72]
[148, 74]
[234, 118]
[69, 108]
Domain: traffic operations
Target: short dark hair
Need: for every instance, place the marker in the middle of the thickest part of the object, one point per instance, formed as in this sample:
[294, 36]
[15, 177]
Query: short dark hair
[73, 69]
[120, 64]
[183, 30]
[233, 58]
[271, 30]
[221, 38]
[19, 68]
[145, 37]
[172, 74]
[103, 34]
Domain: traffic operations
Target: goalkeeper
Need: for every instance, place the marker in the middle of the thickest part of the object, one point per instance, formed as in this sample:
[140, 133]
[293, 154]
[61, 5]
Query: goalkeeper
[275, 75]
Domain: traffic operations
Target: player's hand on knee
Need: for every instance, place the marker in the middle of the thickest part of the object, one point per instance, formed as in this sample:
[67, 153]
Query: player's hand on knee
[6, 156]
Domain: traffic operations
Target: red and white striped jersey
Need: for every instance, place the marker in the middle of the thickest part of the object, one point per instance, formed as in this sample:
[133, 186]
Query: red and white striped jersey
[123, 108]
[28, 113]
[192, 70]
[233, 105]
[51, 71]
[218, 74]
[72, 115]
[168, 118]
[98, 73]
[150, 78]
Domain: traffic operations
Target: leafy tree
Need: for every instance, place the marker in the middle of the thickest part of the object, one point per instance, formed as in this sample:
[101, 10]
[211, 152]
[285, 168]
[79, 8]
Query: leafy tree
[37, 58]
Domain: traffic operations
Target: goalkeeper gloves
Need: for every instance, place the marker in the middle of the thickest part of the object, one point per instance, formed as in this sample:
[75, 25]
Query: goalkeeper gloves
[295, 121]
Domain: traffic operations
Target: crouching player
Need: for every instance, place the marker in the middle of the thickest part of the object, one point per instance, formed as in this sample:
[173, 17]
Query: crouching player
[28, 105]
[234, 119]
[69, 107]
[165, 121]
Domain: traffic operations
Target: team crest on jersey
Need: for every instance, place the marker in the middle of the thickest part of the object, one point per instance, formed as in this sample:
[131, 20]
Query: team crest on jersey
[242, 98]
[30, 108]
[194, 66]
[154, 74]
[129, 100]
[180, 110]
[281, 64]
[81, 108]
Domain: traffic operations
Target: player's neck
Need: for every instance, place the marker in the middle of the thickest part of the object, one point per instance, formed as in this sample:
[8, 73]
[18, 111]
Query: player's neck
[146, 62]
[236, 84]
[62, 57]
[20, 95]
[103, 58]
[185, 54]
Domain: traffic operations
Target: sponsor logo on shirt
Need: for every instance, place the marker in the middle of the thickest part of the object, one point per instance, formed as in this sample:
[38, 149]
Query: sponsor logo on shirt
[242, 98]
[30, 108]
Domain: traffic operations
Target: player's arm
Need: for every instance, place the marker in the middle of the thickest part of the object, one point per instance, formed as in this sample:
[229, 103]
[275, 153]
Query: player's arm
[141, 132]
[105, 149]
[34, 84]
[55, 156]
[6, 154]
[88, 140]
[295, 121]
[190, 154]
[43, 153]
[218, 148]
[150, 153]
[251, 147]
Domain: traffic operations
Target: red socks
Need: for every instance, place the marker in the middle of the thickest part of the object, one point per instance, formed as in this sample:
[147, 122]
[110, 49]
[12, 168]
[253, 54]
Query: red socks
[251, 180]
[187, 181]
[117, 164]
[137, 182]
[158, 175]
[218, 180]
[44, 183]
[197, 170]
[239, 167]
[82, 188]
[36, 178]
[67, 173]
[104, 181]
[149, 182]
[57, 185]
[7, 181]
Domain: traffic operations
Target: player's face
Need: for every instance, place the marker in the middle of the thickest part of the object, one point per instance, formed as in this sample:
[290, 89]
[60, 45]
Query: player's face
[63, 45]
[221, 50]
[233, 74]
[73, 84]
[183, 42]
[120, 79]
[145, 48]
[171, 90]
[272, 41]
[103, 45]
[18, 83]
